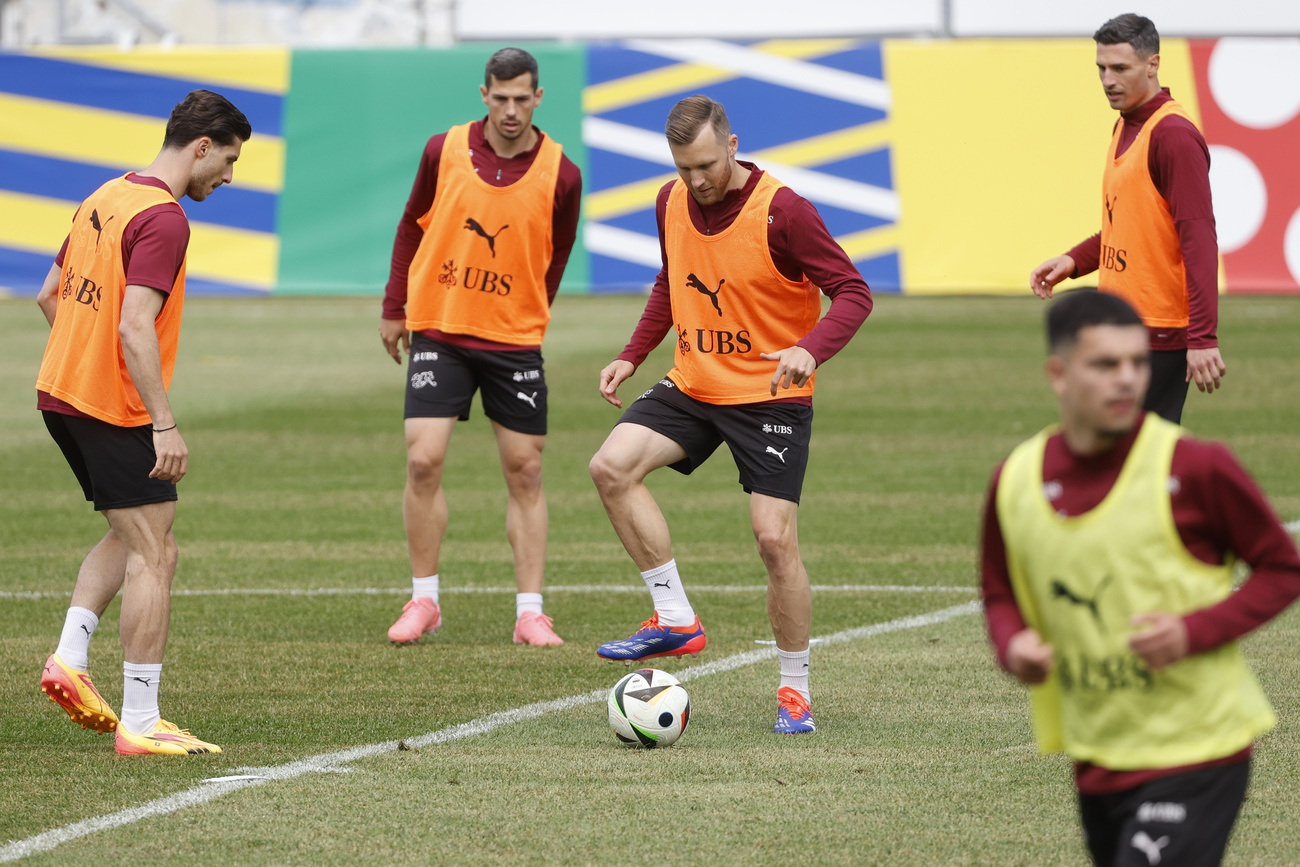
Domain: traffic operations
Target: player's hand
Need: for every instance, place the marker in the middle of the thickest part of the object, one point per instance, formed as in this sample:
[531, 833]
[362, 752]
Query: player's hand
[1163, 642]
[1205, 367]
[172, 456]
[794, 366]
[1044, 278]
[394, 334]
[1028, 657]
[612, 377]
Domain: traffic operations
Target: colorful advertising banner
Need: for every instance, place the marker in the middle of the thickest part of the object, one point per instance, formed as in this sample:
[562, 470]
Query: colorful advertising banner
[939, 166]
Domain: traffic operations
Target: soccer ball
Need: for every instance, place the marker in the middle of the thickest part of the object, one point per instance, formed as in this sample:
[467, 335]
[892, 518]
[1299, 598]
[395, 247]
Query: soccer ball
[649, 708]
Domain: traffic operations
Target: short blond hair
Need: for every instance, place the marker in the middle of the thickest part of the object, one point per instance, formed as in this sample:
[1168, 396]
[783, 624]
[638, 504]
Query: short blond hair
[690, 115]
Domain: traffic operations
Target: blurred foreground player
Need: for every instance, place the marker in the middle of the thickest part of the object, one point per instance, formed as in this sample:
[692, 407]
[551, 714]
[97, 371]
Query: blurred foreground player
[743, 259]
[1157, 247]
[479, 253]
[114, 299]
[1107, 564]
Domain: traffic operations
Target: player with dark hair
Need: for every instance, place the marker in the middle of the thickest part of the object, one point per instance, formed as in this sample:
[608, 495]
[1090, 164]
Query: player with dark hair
[204, 113]
[1107, 557]
[1157, 247]
[743, 259]
[113, 300]
[479, 253]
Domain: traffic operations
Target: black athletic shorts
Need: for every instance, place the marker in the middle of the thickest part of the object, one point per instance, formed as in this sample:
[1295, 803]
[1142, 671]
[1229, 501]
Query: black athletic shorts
[112, 463]
[443, 379]
[1167, 392]
[1183, 819]
[768, 441]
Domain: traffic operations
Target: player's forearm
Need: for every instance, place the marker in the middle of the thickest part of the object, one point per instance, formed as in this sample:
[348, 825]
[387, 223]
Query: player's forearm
[559, 261]
[849, 308]
[564, 222]
[406, 242]
[1001, 611]
[48, 297]
[1265, 595]
[656, 320]
[1200, 250]
[144, 363]
[1086, 255]
[1242, 521]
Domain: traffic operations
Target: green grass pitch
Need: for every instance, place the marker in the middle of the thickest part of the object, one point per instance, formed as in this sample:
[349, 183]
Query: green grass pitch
[292, 413]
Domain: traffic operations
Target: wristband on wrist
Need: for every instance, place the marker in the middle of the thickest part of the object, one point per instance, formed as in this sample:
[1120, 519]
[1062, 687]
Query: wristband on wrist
[164, 429]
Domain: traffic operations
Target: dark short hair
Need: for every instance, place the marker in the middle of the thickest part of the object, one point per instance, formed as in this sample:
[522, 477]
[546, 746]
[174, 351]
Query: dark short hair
[510, 63]
[690, 115]
[1134, 29]
[1083, 308]
[204, 113]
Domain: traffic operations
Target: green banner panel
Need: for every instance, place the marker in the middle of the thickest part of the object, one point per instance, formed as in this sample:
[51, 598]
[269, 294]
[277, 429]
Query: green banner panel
[355, 124]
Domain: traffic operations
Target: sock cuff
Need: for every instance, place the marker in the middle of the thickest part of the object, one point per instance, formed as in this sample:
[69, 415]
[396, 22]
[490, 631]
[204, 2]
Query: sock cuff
[670, 566]
[85, 614]
[425, 587]
[151, 671]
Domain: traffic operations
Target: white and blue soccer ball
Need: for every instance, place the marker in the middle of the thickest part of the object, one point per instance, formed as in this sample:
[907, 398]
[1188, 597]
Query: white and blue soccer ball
[649, 708]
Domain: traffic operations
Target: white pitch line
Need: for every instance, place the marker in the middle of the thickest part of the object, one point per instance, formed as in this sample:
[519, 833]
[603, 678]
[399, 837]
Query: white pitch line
[501, 591]
[1292, 527]
[333, 762]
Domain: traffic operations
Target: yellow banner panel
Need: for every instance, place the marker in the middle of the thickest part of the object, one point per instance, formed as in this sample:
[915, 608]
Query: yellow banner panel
[237, 256]
[259, 68]
[119, 140]
[998, 152]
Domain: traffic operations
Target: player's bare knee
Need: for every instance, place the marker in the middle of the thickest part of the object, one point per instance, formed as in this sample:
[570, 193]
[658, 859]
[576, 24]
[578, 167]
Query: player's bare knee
[604, 472]
[777, 546]
[523, 474]
[424, 470]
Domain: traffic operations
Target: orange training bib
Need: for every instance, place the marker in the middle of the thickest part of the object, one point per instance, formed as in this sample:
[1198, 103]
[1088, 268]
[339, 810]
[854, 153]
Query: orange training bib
[730, 303]
[481, 266]
[1141, 260]
[83, 363]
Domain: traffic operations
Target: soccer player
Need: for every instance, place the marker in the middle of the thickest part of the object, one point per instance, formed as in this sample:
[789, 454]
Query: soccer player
[113, 300]
[743, 258]
[1157, 247]
[478, 258]
[1108, 548]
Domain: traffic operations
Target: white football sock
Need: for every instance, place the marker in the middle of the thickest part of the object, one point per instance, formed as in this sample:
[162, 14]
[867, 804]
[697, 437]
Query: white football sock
[425, 587]
[794, 671]
[74, 643]
[527, 602]
[669, 596]
[140, 697]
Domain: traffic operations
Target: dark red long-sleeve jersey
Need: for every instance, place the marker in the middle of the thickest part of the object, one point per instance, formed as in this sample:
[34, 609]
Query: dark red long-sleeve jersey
[1179, 163]
[801, 246]
[499, 172]
[1217, 508]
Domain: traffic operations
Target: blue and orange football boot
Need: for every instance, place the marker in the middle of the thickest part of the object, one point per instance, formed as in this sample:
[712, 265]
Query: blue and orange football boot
[793, 713]
[653, 640]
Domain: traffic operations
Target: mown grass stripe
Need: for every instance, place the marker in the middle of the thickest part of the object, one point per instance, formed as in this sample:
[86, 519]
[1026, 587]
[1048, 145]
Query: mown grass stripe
[326, 762]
